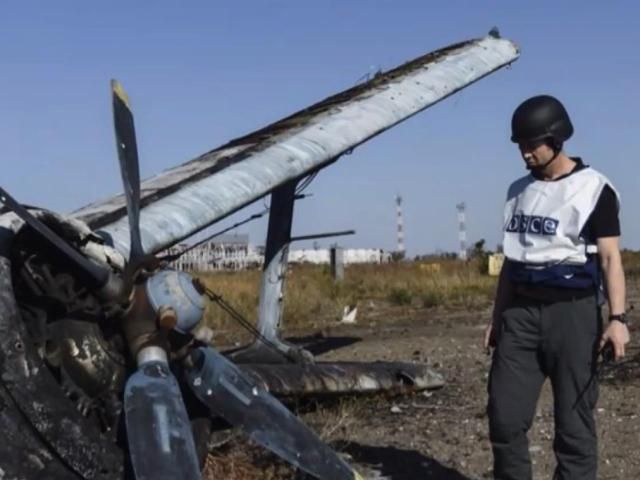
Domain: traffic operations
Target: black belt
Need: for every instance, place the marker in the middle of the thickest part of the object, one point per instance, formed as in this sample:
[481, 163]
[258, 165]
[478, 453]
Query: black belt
[548, 294]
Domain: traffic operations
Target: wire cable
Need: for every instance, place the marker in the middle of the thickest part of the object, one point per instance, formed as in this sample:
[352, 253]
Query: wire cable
[243, 322]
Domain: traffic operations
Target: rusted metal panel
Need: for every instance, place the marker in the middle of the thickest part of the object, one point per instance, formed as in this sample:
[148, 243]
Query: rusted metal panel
[344, 377]
[183, 200]
[24, 455]
[33, 389]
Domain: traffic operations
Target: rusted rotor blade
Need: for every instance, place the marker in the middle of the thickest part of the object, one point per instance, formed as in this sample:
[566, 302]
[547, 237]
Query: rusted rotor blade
[129, 165]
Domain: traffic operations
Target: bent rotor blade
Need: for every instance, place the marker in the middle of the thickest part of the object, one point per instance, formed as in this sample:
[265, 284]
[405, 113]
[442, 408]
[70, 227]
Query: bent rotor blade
[95, 274]
[225, 179]
[230, 393]
[160, 439]
[129, 165]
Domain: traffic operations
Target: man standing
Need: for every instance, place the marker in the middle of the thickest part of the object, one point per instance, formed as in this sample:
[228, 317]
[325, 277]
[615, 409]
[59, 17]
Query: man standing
[561, 246]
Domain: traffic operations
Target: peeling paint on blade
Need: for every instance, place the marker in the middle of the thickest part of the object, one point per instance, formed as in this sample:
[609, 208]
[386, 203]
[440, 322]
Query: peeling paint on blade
[182, 201]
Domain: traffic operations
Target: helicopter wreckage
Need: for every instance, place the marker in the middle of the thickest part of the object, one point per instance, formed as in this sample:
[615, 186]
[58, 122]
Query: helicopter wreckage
[102, 372]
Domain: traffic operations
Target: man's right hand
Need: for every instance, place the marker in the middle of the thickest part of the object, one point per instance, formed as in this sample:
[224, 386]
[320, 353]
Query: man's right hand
[489, 337]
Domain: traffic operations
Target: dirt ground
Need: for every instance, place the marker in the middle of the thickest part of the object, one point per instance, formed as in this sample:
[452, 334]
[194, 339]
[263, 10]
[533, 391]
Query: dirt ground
[443, 434]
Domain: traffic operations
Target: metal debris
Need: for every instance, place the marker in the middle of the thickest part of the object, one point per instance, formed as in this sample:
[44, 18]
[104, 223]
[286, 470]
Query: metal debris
[344, 377]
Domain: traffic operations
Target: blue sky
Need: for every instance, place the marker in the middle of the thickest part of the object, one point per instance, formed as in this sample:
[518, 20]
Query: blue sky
[202, 73]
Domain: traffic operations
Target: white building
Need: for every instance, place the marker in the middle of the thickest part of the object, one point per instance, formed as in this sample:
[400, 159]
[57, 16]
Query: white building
[350, 256]
[234, 252]
[225, 252]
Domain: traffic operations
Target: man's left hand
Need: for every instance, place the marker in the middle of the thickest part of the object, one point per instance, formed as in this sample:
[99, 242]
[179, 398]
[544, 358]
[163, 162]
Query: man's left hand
[618, 334]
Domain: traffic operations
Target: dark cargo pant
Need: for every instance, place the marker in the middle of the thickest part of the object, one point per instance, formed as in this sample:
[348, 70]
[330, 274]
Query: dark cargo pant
[538, 340]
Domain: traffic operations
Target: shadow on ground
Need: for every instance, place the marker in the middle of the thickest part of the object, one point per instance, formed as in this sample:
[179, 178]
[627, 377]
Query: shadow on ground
[396, 464]
[318, 345]
[622, 371]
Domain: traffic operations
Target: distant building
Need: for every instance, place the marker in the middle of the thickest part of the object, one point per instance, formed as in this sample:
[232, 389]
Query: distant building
[225, 252]
[350, 256]
[234, 252]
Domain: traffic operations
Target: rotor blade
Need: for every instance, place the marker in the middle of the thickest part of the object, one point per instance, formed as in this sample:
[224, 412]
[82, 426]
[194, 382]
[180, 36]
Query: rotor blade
[160, 438]
[182, 201]
[129, 165]
[233, 395]
[95, 274]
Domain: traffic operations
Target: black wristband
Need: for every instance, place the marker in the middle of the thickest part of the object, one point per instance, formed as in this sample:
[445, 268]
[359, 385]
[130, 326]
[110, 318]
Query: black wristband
[621, 317]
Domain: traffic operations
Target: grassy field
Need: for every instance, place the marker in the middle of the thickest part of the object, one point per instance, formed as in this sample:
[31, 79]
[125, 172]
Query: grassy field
[313, 298]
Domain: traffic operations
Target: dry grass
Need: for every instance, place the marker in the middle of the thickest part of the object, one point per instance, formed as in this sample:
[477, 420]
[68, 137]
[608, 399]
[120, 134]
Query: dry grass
[313, 298]
[230, 466]
[241, 459]
[245, 461]
[631, 262]
[333, 423]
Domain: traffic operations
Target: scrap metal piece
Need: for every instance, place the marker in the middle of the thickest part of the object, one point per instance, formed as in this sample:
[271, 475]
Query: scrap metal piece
[24, 454]
[84, 354]
[183, 200]
[25, 378]
[323, 378]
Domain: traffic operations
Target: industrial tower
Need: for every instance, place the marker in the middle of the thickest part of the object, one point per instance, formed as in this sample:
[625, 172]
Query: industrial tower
[462, 231]
[400, 227]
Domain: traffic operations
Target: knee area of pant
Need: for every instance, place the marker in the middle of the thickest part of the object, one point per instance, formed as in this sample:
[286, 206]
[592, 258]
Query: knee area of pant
[577, 440]
[505, 429]
[505, 417]
[575, 424]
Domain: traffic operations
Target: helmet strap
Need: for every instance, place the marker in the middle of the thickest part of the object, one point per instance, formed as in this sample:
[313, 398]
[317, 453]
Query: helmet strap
[555, 155]
[557, 148]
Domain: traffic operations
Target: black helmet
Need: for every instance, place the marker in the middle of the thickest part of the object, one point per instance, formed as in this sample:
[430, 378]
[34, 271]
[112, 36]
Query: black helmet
[541, 117]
